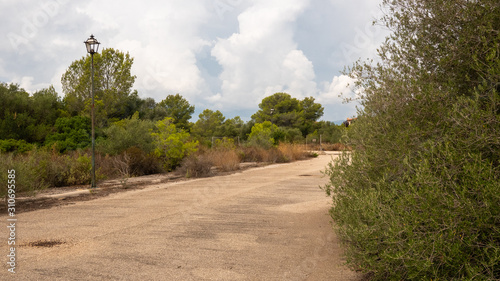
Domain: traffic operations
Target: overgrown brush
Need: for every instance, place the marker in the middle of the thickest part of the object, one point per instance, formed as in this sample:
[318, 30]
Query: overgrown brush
[40, 169]
[141, 163]
[335, 147]
[29, 177]
[227, 157]
[292, 152]
[419, 196]
[224, 159]
[253, 154]
[196, 165]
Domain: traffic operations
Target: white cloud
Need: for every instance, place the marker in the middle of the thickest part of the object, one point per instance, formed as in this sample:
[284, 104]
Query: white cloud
[163, 39]
[298, 74]
[340, 88]
[221, 54]
[26, 82]
[335, 93]
[262, 58]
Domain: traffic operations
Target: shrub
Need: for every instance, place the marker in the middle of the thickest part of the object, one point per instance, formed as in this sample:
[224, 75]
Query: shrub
[40, 169]
[224, 159]
[18, 146]
[71, 134]
[418, 197]
[62, 169]
[128, 133]
[196, 165]
[335, 147]
[79, 172]
[172, 144]
[270, 155]
[29, 176]
[262, 135]
[292, 152]
[253, 154]
[141, 164]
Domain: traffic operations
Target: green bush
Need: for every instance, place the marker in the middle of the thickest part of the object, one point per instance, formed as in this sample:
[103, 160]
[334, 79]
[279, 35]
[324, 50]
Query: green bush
[128, 133]
[71, 134]
[29, 174]
[172, 144]
[79, 171]
[262, 135]
[40, 169]
[418, 198]
[11, 145]
[431, 223]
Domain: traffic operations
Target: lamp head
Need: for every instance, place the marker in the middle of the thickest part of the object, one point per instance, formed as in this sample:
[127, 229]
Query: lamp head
[92, 45]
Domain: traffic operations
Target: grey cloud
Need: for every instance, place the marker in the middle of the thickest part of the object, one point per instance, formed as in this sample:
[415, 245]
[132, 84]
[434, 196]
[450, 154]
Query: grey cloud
[216, 53]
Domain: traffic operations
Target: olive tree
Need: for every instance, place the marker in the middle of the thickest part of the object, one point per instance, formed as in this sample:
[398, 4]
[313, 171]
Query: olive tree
[419, 198]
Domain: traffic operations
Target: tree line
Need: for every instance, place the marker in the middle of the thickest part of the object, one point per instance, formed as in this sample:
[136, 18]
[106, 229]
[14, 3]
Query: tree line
[45, 119]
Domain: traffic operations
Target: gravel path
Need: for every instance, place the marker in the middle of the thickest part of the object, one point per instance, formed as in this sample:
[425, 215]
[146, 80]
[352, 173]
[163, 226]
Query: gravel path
[268, 223]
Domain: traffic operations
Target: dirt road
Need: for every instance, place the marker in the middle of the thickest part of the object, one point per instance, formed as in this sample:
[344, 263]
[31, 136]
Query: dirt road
[267, 223]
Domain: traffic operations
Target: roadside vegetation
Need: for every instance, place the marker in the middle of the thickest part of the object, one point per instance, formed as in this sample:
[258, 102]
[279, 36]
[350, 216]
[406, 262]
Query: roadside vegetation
[418, 198]
[46, 138]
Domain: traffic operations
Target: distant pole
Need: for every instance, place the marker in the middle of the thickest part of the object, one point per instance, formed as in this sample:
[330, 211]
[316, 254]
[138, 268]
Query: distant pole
[92, 47]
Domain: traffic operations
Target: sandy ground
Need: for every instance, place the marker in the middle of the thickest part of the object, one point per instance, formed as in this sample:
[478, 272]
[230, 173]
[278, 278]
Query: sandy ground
[268, 223]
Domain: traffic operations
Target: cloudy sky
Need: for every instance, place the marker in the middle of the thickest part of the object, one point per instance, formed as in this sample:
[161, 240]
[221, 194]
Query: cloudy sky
[223, 55]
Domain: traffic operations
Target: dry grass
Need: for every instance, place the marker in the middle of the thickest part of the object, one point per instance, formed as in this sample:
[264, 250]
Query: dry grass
[225, 159]
[335, 147]
[285, 152]
[196, 165]
[254, 154]
[292, 152]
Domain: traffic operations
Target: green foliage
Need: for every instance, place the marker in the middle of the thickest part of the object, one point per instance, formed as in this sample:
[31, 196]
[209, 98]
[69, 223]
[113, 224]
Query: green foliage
[178, 109]
[25, 117]
[330, 132]
[280, 109]
[128, 133]
[262, 135]
[172, 144]
[224, 144]
[418, 198]
[113, 86]
[11, 145]
[29, 177]
[46, 106]
[210, 124]
[41, 169]
[310, 112]
[284, 111]
[288, 135]
[150, 110]
[71, 133]
[233, 127]
[79, 171]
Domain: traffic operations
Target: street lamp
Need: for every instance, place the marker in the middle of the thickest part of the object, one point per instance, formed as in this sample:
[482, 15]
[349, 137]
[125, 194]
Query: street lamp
[92, 47]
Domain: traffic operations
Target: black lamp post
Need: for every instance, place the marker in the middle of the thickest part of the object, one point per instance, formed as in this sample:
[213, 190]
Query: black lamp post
[92, 47]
